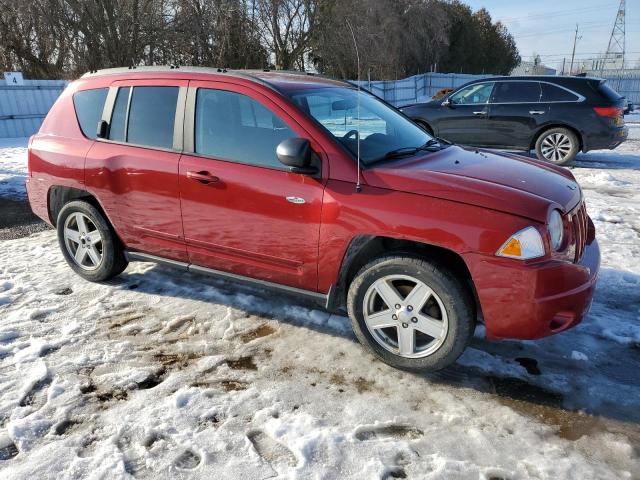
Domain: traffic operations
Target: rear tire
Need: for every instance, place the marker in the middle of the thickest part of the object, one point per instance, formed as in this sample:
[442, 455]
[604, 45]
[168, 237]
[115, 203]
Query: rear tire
[88, 243]
[431, 318]
[557, 145]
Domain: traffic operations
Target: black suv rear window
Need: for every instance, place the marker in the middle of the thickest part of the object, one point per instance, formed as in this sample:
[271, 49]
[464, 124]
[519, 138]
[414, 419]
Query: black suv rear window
[89, 105]
[552, 93]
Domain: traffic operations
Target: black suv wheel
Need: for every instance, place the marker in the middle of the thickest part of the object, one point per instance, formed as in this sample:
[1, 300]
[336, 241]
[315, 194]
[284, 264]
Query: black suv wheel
[557, 145]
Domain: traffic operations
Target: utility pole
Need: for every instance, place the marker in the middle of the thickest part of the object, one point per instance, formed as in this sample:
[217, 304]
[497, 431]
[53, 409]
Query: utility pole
[563, 61]
[573, 54]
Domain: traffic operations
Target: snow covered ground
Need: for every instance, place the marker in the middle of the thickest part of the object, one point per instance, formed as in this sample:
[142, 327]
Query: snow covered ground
[159, 374]
[13, 167]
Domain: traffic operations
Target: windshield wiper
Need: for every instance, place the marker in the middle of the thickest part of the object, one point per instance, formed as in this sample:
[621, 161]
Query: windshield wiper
[405, 151]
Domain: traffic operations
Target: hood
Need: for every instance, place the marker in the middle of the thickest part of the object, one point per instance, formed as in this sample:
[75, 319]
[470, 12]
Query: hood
[499, 181]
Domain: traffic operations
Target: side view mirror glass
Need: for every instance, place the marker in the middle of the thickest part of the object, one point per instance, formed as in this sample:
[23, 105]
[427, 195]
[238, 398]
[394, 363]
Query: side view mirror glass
[296, 154]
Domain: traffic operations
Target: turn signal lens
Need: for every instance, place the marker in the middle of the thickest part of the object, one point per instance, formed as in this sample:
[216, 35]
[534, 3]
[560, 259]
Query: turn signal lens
[525, 244]
[512, 248]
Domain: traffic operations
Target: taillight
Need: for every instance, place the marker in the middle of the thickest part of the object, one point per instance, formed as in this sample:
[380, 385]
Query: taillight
[610, 112]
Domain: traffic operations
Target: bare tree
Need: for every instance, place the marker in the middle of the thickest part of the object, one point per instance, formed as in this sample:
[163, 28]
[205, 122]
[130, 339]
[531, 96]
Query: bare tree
[286, 28]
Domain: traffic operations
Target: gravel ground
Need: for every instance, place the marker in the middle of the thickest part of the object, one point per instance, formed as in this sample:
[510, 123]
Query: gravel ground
[17, 219]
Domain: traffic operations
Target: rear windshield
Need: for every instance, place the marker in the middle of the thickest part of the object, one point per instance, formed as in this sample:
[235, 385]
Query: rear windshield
[89, 105]
[609, 93]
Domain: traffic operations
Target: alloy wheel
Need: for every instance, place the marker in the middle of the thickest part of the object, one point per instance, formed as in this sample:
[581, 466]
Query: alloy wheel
[556, 147]
[405, 316]
[83, 241]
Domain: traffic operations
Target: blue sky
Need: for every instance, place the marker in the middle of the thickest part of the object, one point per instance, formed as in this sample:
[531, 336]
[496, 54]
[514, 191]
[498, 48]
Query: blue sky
[547, 27]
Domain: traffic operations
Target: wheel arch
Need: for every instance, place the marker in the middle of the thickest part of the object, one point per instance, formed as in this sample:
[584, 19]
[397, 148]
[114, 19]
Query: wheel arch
[543, 129]
[59, 195]
[364, 248]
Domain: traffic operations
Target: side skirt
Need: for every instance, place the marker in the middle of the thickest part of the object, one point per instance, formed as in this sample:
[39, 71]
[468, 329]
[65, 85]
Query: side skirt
[320, 298]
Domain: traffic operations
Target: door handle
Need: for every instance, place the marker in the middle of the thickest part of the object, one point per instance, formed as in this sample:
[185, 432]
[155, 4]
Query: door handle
[203, 177]
[482, 112]
[537, 112]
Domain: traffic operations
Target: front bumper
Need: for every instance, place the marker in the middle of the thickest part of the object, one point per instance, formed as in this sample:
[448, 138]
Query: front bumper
[529, 301]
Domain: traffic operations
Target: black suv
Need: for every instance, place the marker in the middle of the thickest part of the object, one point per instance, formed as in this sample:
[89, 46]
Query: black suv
[558, 116]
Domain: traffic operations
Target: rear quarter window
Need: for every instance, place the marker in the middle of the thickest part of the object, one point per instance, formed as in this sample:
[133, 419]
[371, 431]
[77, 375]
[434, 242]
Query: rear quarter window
[553, 93]
[88, 105]
[516, 92]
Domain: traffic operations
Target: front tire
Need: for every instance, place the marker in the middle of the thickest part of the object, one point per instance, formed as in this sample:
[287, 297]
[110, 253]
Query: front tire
[88, 243]
[411, 313]
[557, 145]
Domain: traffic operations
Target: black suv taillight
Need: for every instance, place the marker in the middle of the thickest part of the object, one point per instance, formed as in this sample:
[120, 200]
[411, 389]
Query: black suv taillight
[609, 112]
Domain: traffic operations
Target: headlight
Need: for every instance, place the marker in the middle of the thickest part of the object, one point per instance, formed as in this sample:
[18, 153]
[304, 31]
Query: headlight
[525, 244]
[556, 229]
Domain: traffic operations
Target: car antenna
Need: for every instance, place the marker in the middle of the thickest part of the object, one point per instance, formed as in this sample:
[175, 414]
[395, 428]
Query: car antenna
[355, 44]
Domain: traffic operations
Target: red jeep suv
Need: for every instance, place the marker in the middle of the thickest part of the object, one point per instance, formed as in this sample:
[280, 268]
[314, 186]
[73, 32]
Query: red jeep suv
[253, 175]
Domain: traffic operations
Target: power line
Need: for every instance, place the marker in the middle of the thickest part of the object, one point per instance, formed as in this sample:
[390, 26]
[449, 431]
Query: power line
[567, 11]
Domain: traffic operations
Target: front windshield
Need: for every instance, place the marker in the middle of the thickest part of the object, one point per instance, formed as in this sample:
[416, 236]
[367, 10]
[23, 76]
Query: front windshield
[381, 128]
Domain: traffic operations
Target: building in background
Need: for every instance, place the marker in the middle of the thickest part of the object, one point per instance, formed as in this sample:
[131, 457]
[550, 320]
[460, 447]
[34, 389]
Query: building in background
[532, 68]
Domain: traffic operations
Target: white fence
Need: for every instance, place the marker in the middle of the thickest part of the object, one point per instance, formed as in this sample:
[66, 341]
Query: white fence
[419, 88]
[23, 107]
[626, 84]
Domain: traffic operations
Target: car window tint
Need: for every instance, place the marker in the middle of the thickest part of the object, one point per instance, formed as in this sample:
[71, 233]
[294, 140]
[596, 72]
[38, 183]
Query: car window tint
[232, 126]
[89, 105]
[473, 94]
[152, 116]
[552, 93]
[516, 92]
[119, 115]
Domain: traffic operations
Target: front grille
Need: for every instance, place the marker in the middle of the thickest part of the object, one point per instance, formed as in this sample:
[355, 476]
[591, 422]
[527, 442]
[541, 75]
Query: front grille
[579, 225]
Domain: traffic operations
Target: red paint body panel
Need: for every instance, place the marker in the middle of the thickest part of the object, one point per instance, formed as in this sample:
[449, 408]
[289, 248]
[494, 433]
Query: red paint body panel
[525, 302]
[244, 224]
[460, 200]
[139, 187]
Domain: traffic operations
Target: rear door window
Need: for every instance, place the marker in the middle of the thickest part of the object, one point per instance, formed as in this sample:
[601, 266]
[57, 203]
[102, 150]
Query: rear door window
[152, 116]
[89, 105]
[553, 93]
[516, 92]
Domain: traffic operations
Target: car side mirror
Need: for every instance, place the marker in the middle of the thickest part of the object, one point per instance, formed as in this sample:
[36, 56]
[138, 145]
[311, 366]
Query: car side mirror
[296, 154]
[447, 103]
